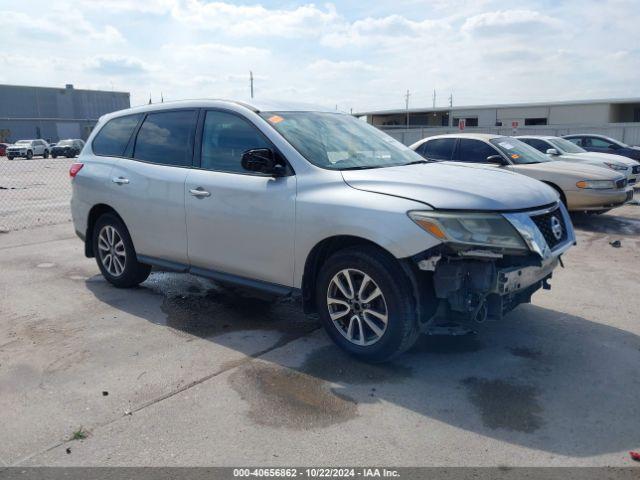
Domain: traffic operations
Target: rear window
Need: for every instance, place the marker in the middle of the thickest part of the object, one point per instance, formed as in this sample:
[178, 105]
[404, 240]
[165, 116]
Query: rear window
[112, 139]
[439, 149]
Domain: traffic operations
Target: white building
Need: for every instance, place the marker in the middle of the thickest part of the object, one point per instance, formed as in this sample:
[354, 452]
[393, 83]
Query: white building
[618, 118]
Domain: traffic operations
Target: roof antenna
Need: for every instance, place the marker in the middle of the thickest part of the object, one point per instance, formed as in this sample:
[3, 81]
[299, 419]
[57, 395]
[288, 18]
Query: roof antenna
[150, 102]
[251, 82]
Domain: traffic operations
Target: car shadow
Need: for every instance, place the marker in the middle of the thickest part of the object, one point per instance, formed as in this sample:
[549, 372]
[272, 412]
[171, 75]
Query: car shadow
[541, 379]
[609, 224]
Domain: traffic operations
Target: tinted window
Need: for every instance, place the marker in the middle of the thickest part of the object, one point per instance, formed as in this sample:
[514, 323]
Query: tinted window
[112, 139]
[599, 143]
[439, 149]
[166, 138]
[577, 141]
[538, 144]
[225, 138]
[474, 151]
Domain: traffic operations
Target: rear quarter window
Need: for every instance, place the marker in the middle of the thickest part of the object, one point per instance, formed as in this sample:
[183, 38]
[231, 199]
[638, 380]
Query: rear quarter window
[112, 139]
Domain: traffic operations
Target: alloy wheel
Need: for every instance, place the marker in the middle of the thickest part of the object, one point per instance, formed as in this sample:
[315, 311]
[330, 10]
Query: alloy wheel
[357, 307]
[113, 254]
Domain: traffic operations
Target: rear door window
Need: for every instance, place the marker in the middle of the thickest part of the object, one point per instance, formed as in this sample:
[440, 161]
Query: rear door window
[439, 148]
[166, 138]
[112, 139]
[474, 151]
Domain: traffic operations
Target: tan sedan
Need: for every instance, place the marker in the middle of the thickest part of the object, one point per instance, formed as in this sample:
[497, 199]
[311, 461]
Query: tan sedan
[581, 187]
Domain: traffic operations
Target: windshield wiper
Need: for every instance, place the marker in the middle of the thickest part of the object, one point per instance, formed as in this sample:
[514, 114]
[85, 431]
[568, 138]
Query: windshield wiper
[361, 167]
[416, 162]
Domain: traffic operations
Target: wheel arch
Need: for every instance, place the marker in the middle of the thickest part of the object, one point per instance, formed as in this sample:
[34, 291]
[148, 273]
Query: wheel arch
[319, 254]
[94, 214]
[563, 197]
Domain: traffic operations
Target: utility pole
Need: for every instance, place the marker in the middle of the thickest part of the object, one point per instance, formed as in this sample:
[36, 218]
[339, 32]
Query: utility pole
[406, 106]
[251, 82]
[451, 109]
[434, 98]
[450, 100]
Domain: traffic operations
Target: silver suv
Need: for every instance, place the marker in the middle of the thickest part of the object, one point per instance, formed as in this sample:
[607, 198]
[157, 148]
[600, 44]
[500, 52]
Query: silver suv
[380, 243]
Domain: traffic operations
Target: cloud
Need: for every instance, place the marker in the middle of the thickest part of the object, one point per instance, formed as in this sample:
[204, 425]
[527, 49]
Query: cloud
[503, 22]
[117, 65]
[44, 29]
[513, 55]
[389, 29]
[341, 69]
[254, 20]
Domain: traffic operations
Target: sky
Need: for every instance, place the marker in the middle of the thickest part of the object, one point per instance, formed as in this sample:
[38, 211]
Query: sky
[351, 55]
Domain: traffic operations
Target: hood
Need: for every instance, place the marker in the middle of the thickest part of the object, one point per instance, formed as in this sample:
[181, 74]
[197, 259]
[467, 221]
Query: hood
[18, 145]
[606, 157]
[583, 170]
[454, 186]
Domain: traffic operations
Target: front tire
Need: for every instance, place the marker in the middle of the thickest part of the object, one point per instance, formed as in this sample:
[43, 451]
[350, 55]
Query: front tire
[365, 304]
[53, 155]
[115, 254]
[29, 155]
[9, 157]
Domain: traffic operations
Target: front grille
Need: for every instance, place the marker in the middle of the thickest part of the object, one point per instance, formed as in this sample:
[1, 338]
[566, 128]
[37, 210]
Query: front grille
[546, 223]
[621, 183]
[636, 169]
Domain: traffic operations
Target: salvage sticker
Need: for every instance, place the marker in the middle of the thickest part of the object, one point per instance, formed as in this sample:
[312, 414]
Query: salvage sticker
[276, 119]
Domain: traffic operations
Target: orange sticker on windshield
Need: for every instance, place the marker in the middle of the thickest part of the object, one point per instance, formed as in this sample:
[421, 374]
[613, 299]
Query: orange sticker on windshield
[276, 119]
[515, 155]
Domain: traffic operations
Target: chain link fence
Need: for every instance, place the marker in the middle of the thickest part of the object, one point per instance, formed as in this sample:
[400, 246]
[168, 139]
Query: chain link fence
[34, 192]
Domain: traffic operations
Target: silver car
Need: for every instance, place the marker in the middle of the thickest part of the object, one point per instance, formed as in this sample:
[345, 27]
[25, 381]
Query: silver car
[381, 244]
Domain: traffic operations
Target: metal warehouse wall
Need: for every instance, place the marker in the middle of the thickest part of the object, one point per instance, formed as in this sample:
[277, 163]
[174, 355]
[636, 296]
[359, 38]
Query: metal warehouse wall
[54, 113]
[625, 132]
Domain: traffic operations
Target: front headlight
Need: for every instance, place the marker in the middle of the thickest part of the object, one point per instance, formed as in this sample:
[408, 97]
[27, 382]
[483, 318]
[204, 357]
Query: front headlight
[596, 184]
[478, 229]
[615, 166]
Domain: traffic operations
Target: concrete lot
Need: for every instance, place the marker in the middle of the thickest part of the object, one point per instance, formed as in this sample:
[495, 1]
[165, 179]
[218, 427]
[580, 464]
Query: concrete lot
[181, 372]
[34, 192]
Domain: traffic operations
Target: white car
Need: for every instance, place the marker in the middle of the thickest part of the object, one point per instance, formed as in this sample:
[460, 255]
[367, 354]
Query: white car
[28, 149]
[562, 149]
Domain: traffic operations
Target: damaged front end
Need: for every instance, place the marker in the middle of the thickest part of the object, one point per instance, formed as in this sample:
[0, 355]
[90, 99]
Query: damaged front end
[487, 264]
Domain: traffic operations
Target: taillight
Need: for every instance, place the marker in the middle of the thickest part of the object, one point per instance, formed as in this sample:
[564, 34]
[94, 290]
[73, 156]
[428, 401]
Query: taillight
[75, 168]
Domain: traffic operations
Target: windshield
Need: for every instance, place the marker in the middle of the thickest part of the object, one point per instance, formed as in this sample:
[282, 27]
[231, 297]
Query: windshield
[62, 143]
[340, 142]
[519, 152]
[566, 146]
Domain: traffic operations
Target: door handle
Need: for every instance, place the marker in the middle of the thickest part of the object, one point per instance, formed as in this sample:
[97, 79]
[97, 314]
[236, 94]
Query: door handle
[120, 180]
[199, 192]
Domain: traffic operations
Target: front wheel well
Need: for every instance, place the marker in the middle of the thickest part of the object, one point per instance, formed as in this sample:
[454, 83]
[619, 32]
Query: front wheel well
[94, 214]
[563, 197]
[316, 258]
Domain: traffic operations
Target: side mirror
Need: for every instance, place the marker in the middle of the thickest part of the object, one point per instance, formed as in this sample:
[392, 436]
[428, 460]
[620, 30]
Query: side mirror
[552, 151]
[496, 159]
[262, 160]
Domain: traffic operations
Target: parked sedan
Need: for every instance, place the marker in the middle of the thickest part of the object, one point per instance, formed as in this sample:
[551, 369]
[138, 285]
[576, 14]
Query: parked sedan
[581, 187]
[603, 144]
[67, 148]
[3, 149]
[561, 149]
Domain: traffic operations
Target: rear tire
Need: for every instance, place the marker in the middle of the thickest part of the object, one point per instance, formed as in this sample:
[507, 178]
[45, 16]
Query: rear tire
[45, 154]
[115, 254]
[53, 155]
[356, 325]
